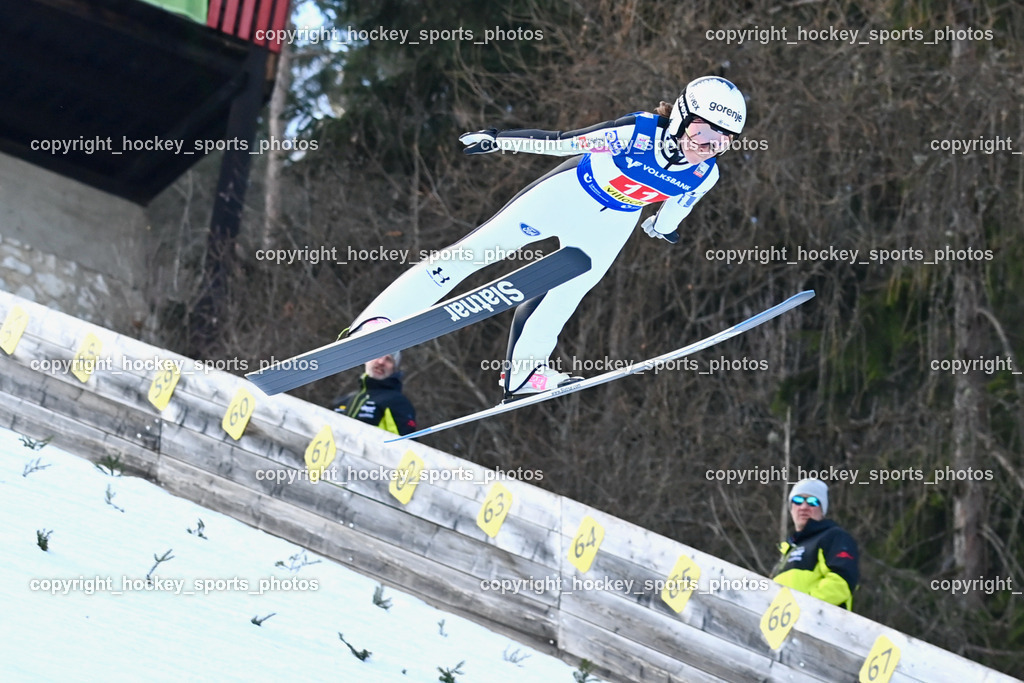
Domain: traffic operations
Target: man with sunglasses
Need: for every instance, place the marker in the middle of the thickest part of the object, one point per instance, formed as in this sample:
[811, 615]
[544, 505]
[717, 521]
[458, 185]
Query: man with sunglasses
[379, 400]
[819, 558]
[592, 201]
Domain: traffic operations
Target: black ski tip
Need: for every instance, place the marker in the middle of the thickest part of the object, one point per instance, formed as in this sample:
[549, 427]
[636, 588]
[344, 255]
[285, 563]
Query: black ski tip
[254, 379]
[534, 279]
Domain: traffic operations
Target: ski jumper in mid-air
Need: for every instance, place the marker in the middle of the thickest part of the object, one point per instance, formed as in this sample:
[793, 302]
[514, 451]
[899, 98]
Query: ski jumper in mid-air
[591, 202]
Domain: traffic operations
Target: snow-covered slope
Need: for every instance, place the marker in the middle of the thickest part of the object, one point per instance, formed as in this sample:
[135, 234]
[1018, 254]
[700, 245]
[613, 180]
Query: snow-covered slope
[193, 621]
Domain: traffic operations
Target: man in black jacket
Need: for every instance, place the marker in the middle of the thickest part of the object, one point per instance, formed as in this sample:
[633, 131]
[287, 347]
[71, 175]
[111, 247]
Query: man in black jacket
[380, 401]
[819, 558]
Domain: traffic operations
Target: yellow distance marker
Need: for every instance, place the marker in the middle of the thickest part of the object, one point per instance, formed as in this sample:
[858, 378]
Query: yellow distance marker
[494, 510]
[777, 621]
[84, 362]
[407, 478]
[236, 417]
[162, 388]
[880, 663]
[320, 453]
[14, 326]
[583, 548]
[681, 583]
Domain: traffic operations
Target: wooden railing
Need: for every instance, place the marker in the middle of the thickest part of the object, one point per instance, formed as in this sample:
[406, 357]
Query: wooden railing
[454, 543]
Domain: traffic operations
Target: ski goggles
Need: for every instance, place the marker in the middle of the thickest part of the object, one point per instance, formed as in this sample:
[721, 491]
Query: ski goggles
[810, 500]
[707, 136]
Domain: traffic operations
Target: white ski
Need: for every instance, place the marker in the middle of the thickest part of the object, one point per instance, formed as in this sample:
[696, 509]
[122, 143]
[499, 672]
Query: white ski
[748, 324]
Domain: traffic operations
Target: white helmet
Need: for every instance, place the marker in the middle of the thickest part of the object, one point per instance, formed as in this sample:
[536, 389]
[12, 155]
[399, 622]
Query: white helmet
[713, 99]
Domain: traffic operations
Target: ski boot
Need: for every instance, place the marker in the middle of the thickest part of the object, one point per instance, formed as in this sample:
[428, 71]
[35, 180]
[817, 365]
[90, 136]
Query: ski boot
[365, 326]
[527, 382]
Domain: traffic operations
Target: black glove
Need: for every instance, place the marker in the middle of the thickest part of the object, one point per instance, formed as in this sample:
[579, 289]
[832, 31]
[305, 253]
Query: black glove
[480, 142]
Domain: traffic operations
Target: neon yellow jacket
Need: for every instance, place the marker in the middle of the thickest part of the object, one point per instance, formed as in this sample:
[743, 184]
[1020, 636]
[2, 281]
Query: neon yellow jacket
[381, 403]
[822, 561]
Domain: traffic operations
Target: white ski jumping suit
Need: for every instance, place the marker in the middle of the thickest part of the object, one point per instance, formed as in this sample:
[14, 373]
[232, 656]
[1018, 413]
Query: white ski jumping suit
[591, 201]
